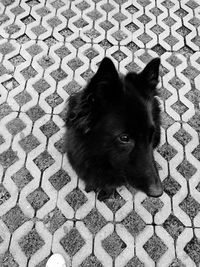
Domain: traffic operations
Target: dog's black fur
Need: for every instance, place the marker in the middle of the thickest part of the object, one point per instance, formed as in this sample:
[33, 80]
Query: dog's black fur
[113, 125]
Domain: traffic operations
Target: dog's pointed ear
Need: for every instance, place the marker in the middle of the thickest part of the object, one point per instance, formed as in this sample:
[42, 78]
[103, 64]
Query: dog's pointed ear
[85, 106]
[106, 70]
[104, 85]
[150, 73]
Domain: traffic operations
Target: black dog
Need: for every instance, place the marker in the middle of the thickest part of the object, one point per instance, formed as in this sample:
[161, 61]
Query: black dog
[113, 125]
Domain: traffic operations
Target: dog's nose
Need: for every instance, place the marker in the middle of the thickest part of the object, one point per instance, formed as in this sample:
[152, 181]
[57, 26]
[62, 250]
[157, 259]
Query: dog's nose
[155, 190]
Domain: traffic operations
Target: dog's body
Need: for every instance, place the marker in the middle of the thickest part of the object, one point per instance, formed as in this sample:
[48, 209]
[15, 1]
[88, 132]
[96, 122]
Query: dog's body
[113, 125]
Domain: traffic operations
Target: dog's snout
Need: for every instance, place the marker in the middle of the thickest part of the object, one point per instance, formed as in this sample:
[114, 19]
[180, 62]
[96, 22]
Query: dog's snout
[155, 190]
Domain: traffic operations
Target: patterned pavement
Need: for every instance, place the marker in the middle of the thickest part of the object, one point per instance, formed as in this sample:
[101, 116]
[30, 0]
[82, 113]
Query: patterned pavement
[49, 49]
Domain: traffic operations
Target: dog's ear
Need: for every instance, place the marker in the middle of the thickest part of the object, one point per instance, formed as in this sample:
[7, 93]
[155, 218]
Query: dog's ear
[84, 107]
[150, 73]
[103, 86]
[106, 70]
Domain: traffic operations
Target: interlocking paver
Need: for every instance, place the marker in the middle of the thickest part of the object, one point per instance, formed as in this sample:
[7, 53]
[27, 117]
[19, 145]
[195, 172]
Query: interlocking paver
[48, 51]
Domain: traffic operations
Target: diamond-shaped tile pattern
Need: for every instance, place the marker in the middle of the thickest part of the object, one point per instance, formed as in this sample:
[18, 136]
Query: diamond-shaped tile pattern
[190, 206]
[193, 250]
[49, 50]
[91, 261]
[133, 223]
[35, 113]
[14, 218]
[41, 85]
[62, 52]
[5, 110]
[59, 179]
[22, 177]
[29, 143]
[6, 48]
[183, 137]
[8, 157]
[75, 63]
[173, 226]
[196, 152]
[113, 245]
[72, 242]
[38, 30]
[7, 259]
[58, 75]
[82, 5]
[193, 96]
[119, 55]
[167, 151]
[54, 220]
[153, 205]
[10, 84]
[186, 169]
[45, 62]
[94, 221]
[17, 60]
[76, 198]
[72, 87]
[44, 160]
[15, 126]
[171, 186]
[54, 100]
[135, 262]
[37, 198]
[155, 247]
[115, 202]
[49, 128]
[22, 98]
[34, 50]
[29, 72]
[4, 194]
[191, 72]
[31, 243]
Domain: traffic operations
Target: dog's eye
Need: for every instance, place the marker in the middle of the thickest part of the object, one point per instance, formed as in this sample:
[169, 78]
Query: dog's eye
[124, 138]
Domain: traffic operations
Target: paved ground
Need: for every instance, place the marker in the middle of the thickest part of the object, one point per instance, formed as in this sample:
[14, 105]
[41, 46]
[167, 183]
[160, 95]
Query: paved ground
[49, 49]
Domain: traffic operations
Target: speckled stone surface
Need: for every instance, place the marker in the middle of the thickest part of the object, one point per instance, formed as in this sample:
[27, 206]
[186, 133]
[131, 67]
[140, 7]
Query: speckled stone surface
[49, 50]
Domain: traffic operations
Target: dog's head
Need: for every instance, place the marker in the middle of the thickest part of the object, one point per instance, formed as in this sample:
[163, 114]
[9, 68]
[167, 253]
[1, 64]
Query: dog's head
[119, 117]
